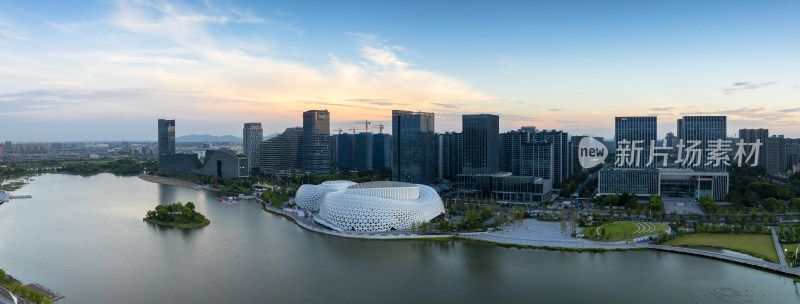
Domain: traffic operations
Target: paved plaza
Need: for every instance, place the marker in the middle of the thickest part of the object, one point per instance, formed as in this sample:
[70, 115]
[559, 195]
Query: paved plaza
[532, 232]
[681, 205]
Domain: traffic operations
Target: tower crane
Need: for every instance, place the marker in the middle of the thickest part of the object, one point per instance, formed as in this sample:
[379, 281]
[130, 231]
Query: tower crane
[380, 128]
[366, 125]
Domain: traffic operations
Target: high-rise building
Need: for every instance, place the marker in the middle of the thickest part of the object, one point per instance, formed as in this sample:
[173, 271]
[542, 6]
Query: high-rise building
[704, 129]
[560, 153]
[166, 140]
[363, 151]
[669, 140]
[166, 136]
[792, 152]
[381, 151]
[544, 165]
[517, 152]
[776, 155]
[282, 154]
[481, 143]
[252, 136]
[753, 135]
[346, 157]
[335, 150]
[574, 143]
[449, 155]
[316, 142]
[413, 147]
[636, 132]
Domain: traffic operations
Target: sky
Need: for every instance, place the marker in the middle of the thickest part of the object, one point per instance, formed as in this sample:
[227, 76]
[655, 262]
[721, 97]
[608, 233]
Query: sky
[107, 70]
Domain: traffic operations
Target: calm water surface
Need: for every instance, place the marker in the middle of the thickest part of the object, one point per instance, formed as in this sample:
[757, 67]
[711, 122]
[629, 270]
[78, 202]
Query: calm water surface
[84, 237]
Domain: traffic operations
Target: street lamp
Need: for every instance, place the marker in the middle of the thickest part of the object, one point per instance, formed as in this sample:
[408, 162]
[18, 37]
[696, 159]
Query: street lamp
[795, 255]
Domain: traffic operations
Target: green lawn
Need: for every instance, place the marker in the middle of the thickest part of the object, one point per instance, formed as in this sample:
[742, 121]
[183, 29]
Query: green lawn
[789, 253]
[621, 231]
[759, 245]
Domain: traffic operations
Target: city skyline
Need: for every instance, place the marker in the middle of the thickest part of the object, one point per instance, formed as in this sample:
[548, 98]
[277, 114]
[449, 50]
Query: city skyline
[104, 71]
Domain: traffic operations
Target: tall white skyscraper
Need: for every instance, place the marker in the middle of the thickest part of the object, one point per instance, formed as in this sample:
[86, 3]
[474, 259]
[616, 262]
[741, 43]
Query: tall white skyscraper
[252, 135]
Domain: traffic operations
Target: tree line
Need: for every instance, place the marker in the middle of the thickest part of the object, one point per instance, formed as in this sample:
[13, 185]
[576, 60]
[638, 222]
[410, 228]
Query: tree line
[118, 167]
[176, 213]
[751, 187]
[21, 291]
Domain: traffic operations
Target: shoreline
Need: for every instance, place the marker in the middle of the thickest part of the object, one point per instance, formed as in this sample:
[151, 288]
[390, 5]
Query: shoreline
[178, 225]
[170, 181]
[591, 247]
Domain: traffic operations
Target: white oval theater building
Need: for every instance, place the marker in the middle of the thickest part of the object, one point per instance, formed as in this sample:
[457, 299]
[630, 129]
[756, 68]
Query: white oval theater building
[373, 206]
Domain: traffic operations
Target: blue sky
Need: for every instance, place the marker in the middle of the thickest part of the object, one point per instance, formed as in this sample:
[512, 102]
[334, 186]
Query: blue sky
[82, 70]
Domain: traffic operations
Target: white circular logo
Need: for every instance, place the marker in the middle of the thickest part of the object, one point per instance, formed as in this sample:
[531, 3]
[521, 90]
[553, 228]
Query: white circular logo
[591, 152]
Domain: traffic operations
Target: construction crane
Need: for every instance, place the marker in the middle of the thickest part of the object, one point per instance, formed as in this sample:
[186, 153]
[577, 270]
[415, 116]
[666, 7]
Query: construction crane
[366, 125]
[354, 129]
[380, 128]
[339, 130]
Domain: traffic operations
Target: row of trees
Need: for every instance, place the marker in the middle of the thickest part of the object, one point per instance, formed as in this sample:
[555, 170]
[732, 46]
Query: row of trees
[750, 186]
[626, 200]
[576, 179]
[655, 203]
[176, 213]
[361, 176]
[10, 172]
[21, 291]
[275, 198]
[708, 204]
[240, 185]
[475, 217]
[789, 234]
[118, 167]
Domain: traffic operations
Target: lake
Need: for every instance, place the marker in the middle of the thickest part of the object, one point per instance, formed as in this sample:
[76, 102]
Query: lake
[84, 237]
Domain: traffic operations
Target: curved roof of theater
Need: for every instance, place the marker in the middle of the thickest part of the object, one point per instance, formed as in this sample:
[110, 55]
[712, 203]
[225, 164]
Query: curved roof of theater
[381, 184]
[339, 184]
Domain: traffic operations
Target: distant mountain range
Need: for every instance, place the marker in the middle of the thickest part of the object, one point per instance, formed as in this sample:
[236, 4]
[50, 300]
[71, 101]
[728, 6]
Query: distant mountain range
[207, 138]
[271, 135]
[212, 138]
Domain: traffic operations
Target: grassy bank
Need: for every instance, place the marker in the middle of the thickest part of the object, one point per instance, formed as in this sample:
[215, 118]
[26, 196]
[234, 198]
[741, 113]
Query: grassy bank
[758, 245]
[206, 222]
[621, 231]
[14, 185]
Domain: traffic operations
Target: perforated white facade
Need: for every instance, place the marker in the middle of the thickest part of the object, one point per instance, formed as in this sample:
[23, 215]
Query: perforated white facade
[378, 206]
[310, 197]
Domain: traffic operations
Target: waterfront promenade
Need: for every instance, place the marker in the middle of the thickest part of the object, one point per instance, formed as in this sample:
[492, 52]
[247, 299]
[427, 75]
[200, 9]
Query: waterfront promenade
[792, 271]
[540, 234]
[778, 248]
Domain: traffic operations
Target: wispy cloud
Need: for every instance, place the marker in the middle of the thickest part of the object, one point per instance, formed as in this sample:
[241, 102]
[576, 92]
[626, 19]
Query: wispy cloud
[662, 109]
[746, 114]
[8, 30]
[448, 105]
[376, 101]
[746, 86]
[555, 110]
[167, 52]
[790, 110]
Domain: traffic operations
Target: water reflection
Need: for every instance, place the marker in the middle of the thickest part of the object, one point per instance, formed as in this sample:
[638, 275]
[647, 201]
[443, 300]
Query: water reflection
[85, 238]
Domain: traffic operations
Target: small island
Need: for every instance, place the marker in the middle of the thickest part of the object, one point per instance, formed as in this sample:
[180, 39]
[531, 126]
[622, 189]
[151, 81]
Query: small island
[177, 215]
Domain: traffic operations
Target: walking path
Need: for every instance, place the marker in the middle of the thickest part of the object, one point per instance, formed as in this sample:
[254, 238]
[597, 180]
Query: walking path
[545, 234]
[720, 256]
[778, 248]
